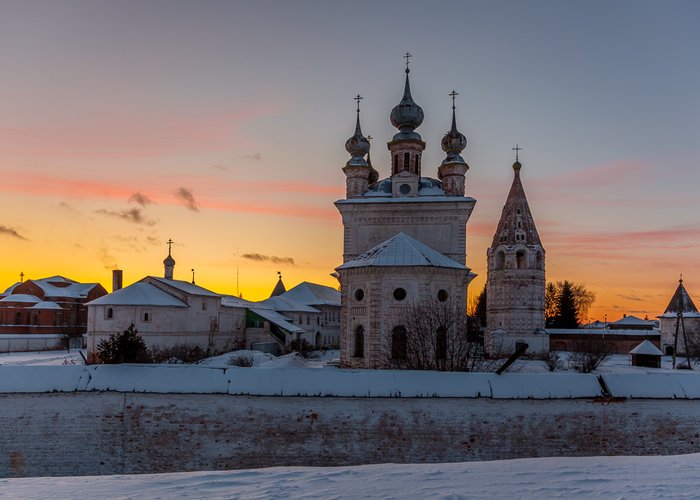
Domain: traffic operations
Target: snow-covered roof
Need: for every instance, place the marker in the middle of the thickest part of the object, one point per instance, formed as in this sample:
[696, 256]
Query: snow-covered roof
[233, 301]
[647, 348]
[186, 286]
[276, 318]
[139, 294]
[21, 297]
[280, 303]
[680, 302]
[402, 250]
[601, 331]
[58, 286]
[46, 304]
[632, 321]
[313, 294]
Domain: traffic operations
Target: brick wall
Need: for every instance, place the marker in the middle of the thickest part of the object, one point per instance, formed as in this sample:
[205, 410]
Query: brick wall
[112, 433]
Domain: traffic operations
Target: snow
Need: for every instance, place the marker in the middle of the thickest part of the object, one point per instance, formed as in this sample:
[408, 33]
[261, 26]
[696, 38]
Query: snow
[278, 319]
[674, 476]
[632, 321]
[21, 297]
[312, 294]
[647, 348]
[603, 331]
[139, 294]
[185, 286]
[402, 250]
[46, 305]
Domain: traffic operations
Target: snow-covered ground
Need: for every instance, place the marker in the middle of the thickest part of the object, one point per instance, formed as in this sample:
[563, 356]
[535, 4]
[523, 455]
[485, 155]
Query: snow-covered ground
[581, 477]
[617, 363]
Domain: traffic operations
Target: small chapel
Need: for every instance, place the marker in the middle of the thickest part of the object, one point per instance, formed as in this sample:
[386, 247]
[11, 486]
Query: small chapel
[405, 244]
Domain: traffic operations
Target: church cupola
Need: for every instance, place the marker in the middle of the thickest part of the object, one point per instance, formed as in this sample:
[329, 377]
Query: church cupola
[357, 170]
[373, 174]
[406, 146]
[169, 262]
[453, 168]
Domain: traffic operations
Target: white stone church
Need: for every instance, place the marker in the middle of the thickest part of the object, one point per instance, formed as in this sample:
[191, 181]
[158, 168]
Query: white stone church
[405, 244]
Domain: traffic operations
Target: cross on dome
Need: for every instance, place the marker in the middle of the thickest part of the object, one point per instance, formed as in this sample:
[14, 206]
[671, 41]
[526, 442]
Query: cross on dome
[517, 149]
[358, 98]
[170, 243]
[407, 56]
[453, 94]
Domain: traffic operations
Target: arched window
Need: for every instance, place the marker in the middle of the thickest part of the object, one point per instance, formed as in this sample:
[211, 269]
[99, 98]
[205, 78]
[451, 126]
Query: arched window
[18, 318]
[110, 313]
[35, 319]
[441, 344]
[359, 342]
[406, 160]
[396, 164]
[398, 343]
[146, 317]
[540, 261]
[520, 259]
[417, 164]
[500, 260]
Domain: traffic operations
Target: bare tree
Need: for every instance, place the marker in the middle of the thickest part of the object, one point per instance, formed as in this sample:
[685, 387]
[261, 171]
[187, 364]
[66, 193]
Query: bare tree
[589, 353]
[433, 336]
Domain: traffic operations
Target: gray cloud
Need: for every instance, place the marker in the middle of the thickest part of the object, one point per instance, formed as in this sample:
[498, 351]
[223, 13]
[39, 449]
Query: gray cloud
[66, 206]
[11, 232]
[187, 198]
[222, 168]
[134, 215]
[140, 199]
[268, 258]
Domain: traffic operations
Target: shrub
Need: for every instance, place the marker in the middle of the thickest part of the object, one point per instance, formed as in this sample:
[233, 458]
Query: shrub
[125, 347]
[181, 353]
[302, 346]
[553, 361]
[244, 360]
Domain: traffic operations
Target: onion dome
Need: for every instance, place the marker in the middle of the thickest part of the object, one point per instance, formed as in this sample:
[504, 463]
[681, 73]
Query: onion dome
[373, 174]
[454, 142]
[169, 261]
[517, 165]
[357, 145]
[407, 115]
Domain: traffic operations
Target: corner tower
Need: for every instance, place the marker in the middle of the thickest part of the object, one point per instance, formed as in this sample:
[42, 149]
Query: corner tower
[515, 282]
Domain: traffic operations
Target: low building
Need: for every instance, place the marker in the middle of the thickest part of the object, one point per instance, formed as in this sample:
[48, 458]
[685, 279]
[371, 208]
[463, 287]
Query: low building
[646, 354]
[44, 314]
[618, 341]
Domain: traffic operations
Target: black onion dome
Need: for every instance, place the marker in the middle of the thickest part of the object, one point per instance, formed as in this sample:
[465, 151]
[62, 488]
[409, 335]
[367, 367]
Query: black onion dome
[357, 145]
[453, 142]
[169, 261]
[407, 115]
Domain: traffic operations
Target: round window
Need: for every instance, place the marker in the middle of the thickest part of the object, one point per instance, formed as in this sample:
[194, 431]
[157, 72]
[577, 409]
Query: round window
[442, 295]
[404, 189]
[399, 294]
[359, 294]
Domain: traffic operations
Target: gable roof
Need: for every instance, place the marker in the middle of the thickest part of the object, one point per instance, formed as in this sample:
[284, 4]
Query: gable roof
[647, 348]
[632, 320]
[313, 294]
[402, 250]
[139, 294]
[184, 286]
[59, 286]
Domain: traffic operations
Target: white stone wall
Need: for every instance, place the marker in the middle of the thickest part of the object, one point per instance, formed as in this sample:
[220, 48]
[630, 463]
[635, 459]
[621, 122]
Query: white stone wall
[379, 312]
[667, 329]
[440, 225]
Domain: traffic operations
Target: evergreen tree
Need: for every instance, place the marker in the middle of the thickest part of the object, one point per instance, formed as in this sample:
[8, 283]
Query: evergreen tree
[567, 314]
[125, 347]
[480, 308]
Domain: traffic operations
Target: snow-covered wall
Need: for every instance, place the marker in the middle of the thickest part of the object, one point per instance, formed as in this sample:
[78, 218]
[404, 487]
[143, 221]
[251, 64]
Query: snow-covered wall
[89, 433]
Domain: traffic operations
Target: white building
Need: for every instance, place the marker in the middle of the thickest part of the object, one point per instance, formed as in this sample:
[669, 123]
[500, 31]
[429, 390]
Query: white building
[680, 314]
[404, 237]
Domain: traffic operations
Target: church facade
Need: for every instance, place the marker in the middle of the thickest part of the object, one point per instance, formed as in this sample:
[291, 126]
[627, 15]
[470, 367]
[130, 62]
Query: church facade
[404, 238]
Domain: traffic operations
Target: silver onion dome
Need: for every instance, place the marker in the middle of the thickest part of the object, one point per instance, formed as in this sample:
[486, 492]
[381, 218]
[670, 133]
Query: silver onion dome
[407, 115]
[453, 142]
[357, 145]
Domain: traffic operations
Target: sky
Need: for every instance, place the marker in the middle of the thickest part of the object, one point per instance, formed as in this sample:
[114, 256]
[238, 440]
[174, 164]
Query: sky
[221, 125]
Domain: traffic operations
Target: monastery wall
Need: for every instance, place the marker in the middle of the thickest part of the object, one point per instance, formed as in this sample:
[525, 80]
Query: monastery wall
[125, 433]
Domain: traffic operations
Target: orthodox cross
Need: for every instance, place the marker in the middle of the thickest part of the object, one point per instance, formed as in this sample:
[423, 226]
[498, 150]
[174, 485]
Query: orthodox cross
[407, 56]
[170, 243]
[21, 277]
[453, 94]
[358, 98]
[517, 149]
[369, 138]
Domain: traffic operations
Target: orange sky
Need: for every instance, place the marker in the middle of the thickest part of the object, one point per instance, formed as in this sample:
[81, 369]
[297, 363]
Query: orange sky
[221, 125]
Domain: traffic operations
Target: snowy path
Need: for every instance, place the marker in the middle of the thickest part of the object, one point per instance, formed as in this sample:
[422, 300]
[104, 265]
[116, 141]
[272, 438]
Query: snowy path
[583, 477]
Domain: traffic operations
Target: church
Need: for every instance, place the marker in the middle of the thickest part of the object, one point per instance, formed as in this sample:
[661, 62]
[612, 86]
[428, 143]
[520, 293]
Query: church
[405, 244]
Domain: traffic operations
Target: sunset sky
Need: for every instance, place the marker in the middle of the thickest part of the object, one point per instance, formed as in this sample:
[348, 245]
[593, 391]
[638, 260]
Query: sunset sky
[222, 125]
